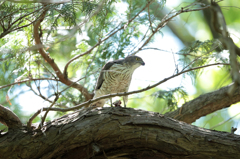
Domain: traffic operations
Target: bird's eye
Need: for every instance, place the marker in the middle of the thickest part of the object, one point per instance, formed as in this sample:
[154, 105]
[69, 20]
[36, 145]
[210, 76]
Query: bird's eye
[137, 58]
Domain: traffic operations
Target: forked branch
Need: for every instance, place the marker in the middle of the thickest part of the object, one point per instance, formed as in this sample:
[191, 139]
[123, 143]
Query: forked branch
[51, 62]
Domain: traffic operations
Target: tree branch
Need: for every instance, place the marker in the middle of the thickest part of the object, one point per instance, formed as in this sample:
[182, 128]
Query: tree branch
[205, 104]
[120, 133]
[45, 115]
[51, 62]
[182, 34]
[87, 103]
[26, 80]
[40, 1]
[12, 28]
[100, 41]
[167, 19]
[9, 119]
[219, 29]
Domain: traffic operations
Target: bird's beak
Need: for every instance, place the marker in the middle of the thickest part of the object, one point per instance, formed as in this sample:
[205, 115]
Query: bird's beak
[142, 63]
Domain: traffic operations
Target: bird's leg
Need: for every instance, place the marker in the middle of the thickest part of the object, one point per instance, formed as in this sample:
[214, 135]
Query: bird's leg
[124, 104]
[125, 99]
[111, 102]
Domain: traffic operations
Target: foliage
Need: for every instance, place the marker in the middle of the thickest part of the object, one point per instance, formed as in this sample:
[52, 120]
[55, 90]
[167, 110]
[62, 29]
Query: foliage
[199, 54]
[171, 97]
[71, 29]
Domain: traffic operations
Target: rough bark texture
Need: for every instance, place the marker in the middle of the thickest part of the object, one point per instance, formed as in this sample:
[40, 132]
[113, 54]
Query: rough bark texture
[116, 133]
[205, 104]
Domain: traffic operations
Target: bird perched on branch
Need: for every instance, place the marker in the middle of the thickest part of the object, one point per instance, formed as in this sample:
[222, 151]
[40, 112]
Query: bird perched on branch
[115, 77]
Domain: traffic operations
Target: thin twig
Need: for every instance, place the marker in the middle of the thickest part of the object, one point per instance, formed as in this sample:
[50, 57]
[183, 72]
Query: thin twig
[128, 93]
[10, 14]
[223, 122]
[149, 18]
[174, 60]
[9, 30]
[45, 115]
[165, 20]
[100, 41]
[73, 83]
[29, 123]
[40, 1]
[27, 80]
[213, 48]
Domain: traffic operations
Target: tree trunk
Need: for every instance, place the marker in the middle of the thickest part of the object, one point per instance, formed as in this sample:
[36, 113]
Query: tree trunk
[118, 133]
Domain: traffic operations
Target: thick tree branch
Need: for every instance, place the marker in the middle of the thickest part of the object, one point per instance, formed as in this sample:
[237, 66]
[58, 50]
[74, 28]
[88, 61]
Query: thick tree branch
[51, 62]
[205, 104]
[211, 16]
[120, 133]
[9, 119]
[219, 30]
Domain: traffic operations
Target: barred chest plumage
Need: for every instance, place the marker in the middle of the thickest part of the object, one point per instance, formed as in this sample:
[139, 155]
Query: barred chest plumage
[117, 79]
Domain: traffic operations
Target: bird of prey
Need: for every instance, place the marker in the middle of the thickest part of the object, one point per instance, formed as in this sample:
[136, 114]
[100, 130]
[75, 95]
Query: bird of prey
[115, 77]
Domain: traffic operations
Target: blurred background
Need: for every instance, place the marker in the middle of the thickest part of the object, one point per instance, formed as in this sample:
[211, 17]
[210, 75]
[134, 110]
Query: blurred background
[184, 39]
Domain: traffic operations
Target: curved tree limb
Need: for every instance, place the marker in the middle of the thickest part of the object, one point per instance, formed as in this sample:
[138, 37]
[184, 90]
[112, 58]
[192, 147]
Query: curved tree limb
[227, 41]
[51, 62]
[9, 119]
[120, 133]
[205, 104]
[218, 26]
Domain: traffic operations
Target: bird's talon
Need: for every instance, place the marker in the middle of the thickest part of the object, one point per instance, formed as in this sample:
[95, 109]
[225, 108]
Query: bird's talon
[112, 78]
[117, 103]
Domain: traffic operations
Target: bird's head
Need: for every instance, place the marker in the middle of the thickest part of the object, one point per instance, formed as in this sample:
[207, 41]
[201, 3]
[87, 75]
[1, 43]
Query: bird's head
[134, 61]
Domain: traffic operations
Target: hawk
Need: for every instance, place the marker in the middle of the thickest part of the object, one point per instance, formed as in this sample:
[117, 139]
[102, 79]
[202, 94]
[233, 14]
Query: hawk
[115, 77]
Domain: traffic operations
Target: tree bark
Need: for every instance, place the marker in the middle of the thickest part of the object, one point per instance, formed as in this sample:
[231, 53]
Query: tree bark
[9, 118]
[118, 133]
[205, 104]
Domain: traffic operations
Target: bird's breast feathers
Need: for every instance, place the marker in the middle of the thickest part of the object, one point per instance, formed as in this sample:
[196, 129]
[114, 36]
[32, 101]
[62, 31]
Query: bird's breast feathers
[117, 79]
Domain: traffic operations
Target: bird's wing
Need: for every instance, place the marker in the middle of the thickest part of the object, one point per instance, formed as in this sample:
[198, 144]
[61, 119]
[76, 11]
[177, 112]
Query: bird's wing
[106, 67]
